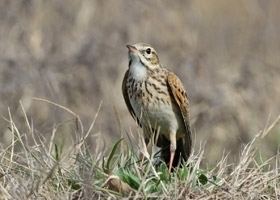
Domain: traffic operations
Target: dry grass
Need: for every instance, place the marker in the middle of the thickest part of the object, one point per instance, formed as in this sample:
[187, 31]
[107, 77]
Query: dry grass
[35, 167]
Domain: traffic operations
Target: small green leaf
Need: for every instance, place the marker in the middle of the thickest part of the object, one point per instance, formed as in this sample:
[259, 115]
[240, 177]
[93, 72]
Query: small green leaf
[163, 173]
[182, 173]
[57, 152]
[128, 177]
[202, 179]
[214, 178]
[113, 152]
[74, 184]
[107, 168]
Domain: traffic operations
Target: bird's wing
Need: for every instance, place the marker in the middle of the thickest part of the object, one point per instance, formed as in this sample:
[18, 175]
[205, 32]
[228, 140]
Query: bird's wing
[126, 99]
[179, 95]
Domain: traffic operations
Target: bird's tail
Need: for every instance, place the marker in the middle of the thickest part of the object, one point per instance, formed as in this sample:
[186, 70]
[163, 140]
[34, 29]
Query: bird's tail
[185, 144]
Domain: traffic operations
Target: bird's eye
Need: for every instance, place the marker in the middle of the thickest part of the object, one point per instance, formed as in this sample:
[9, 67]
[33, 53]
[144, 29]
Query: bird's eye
[148, 51]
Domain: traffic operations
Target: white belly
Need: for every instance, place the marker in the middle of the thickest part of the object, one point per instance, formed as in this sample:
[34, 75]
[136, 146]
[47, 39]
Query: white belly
[160, 117]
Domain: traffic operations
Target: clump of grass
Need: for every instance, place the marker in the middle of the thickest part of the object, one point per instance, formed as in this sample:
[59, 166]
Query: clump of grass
[33, 167]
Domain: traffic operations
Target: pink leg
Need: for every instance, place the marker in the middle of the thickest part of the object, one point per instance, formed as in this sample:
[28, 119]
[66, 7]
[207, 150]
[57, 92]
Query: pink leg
[172, 154]
[172, 149]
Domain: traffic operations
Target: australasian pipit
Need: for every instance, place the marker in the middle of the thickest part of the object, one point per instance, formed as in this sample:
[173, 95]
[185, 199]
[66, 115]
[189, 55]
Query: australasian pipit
[157, 100]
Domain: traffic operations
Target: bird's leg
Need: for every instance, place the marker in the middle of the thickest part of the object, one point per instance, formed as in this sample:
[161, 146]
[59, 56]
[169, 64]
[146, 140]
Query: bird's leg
[172, 149]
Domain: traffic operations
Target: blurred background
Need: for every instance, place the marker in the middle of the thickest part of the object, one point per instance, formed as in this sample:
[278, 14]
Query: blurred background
[227, 54]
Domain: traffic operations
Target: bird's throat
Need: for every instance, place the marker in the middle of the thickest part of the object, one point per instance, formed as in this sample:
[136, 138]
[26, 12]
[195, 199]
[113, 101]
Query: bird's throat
[138, 71]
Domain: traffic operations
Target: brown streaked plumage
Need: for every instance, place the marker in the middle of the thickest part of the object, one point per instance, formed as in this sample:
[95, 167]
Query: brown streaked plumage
[157, 100]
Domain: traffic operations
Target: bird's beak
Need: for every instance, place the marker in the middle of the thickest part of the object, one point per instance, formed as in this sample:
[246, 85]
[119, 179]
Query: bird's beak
[131, 48]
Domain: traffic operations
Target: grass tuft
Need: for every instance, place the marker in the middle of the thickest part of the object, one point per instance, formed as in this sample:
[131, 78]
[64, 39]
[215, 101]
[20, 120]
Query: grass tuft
[33, 167]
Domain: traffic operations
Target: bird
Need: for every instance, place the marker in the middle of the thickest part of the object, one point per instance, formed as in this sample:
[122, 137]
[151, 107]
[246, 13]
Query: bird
[158, 101]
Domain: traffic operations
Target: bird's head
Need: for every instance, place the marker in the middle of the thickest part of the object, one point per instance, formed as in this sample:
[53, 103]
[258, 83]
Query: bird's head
[143, 54]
